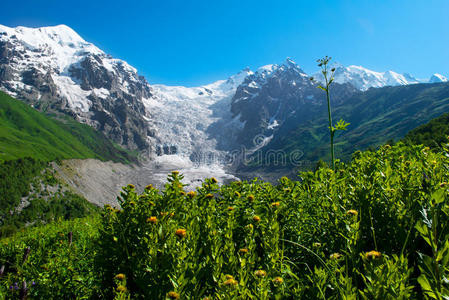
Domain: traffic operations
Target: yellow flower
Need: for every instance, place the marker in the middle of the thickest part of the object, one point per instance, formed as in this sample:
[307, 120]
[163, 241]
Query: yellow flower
[251, 197]
[149, 187]
[175, 173]
[191, 194]
[230, 282]
[278, 280]
[229, 276]
[131, 186]
[213, 180]
[443, 184]
[152, 220]
[230, 208]
[275, 204]
[352, 212]
[209, 196]
[181, 233]
[120, 276]
[335, 256]
[243, 251]
[373, 254]
[260, 273]
[163, 213]
[256, 219]
[121, 289]
[237, 194]
[183, 193]
[171, 214]
[173, 295]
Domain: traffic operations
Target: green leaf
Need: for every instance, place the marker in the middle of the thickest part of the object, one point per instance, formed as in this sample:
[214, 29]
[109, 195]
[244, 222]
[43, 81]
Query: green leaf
[426, 287]
[438, 196]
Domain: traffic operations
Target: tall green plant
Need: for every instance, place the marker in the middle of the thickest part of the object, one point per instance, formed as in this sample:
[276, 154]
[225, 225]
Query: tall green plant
[323, 63]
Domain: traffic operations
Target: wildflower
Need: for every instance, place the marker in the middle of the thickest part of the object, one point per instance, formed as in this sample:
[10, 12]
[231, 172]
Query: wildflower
[149, 187]
[249, 226]
[275, 204]
[181, 233]
[229, 276]
[121, 289]
[316, 245]
[120, 276]
[352, 212]
[209, 196]
[152, 220]
[251, 198]
[373, 254]
[243, 251]
[434, 162]
[163, 213]
[230, 208]
[183, 193]
[237, 194]
[260, 273]
[278, 280]
[443, 184]
[191, 194]
[171, 214]
[173, 295]
[175, 173]
[230, 282]
[335, 256]
[256, 219]
[131, 186]
[213, 180]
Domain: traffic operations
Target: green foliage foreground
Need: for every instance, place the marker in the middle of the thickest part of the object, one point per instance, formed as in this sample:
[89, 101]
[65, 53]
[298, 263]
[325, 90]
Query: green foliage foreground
[376, 228]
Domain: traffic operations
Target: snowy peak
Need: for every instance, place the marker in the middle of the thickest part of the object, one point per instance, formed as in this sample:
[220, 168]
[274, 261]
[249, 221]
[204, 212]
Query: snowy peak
[363, 78]
[437, 78]
[55, 68]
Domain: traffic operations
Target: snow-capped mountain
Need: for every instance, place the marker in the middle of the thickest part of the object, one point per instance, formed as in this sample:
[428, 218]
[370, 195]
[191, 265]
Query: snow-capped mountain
[273, 97]
[363, 78]
[437, 78]
[54, 69]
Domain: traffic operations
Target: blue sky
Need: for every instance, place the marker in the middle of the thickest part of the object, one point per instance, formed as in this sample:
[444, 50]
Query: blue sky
[197, 42]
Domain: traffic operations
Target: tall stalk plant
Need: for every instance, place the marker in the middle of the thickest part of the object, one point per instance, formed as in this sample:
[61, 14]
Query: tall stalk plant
[323, 63]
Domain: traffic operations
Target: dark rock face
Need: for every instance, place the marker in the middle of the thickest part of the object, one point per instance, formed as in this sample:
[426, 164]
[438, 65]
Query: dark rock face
[112, 90]
[270, 101]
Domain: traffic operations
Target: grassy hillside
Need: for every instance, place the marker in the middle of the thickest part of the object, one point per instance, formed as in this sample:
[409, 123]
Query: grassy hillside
[376, 228]
[431, 134]
[25, 132]
[376, 116]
